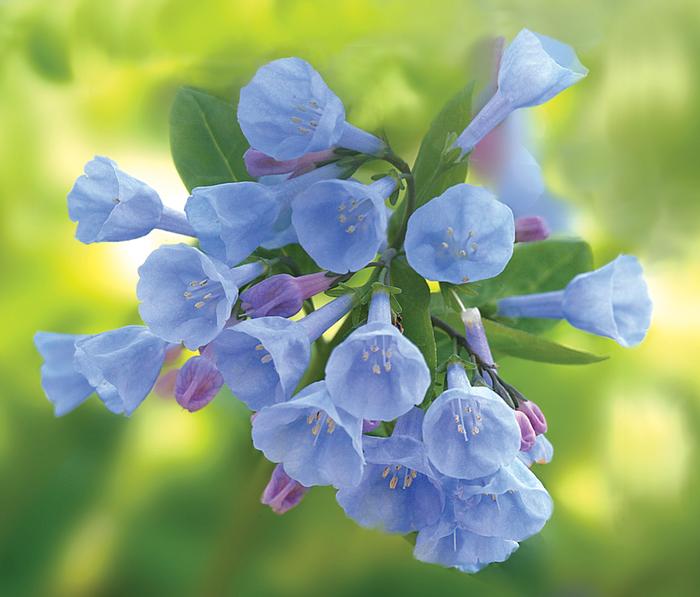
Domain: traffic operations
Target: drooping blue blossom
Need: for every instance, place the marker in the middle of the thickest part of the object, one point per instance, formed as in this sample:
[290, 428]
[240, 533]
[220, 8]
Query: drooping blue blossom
[447, 544]
[122, 365]
[377, 373]
[63, 385]
[259, 164]
[262, 360]
[317, 443]
[109, 205]
[287, 111]
[469, 432]
[540, 453]
[342, 223]
[198, 382]
[612, 301]
[282, 493]
[187, 296]
[283, 295]
[397, 493]
[232, 219]
[534, 68]
[464, 235]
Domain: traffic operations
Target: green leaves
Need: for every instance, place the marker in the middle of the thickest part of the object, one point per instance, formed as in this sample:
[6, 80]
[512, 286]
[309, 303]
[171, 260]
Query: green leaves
[432, 174]
[415, 309]
[524, 345]
[205, 140]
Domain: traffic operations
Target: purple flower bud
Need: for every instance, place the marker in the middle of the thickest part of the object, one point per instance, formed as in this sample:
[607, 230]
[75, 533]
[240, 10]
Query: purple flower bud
[370, 425]
[260, 164]
[283, 295]
[534, 415]
[527, 433]
[197, 383]
[530, 228]
[282, 492]
[475, 335]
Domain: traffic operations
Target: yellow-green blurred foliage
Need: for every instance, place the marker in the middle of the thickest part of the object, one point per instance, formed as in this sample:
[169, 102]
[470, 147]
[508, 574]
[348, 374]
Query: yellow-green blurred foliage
[166, 503]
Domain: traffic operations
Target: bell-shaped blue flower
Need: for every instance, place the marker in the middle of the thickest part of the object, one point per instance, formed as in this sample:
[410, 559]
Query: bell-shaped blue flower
[187, 296]
[534, 68]
[612, 301]
[511, 504]
[110, 205]
[397, 493]
[63, 385]
[317, 443]
[342, 223]
[262, 360]
[464, 235]
[541, 453]
[377, 373]
[469, 432]
[287, 110]
[447, 544]
[122, 365]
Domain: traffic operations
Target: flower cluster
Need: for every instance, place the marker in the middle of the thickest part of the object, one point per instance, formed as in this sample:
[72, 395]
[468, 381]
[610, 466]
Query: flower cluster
[441, 453]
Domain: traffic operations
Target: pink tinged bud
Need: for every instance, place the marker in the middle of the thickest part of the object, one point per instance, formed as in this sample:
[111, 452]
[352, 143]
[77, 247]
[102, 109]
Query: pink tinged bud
[475, 335]
[283, 295]
[197, 383]
[534, 415]
[530, 228]
[165, 386]
[259, 164]
[370, 425]
[527, 433]
[282, 492]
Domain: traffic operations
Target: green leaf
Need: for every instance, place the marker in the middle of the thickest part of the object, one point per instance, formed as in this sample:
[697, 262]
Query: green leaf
[48, 52]
[431, 180]
[523, 345]
[415, 316]
[534, 267]
[205, 140]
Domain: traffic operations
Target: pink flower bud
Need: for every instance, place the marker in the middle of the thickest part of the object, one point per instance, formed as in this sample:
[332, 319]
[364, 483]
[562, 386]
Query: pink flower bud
[527, 433]
[282, 492]
[259, 164]
[534, 415]
[197, 383]
[531, 228]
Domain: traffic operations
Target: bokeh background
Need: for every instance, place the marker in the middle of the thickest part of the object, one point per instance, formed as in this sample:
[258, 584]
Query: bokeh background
[166, 503]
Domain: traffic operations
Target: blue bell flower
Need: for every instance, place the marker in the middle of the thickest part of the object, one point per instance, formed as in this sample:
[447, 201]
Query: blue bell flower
[109, 205]
[63, 385]
[612, 301]
[287, 111]
[263, 360]
[464, 235]
[342, 223]
[534, 68]
[397, 493]
[377, 373]
[469, 432]
[187, 296]
[317, 443]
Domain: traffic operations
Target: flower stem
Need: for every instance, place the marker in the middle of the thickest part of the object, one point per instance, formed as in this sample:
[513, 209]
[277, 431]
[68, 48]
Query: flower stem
[410, 200]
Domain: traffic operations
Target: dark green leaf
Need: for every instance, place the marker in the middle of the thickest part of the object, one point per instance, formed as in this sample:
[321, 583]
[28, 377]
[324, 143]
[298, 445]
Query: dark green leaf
[431, 180]
[415, 317]
[534, 267]
[205, 140]
[524, 345]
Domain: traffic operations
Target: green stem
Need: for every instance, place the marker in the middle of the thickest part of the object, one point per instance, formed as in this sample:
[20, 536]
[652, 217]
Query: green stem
[410, 200]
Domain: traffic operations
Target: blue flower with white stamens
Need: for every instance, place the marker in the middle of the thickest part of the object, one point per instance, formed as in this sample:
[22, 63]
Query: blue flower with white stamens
[110, 205]
[262, 360]
[469, 432]
[397, 493]
[287, 111]
[612, 301]
[464, 235]
[317, 443]
[342, 223]
[187, 296]
[377, 373]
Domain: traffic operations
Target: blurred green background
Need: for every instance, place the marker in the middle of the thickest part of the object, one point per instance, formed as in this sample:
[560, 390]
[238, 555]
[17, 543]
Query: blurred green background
[166, 503]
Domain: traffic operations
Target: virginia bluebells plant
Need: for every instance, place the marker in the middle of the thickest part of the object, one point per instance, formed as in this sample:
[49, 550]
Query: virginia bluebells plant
[387, 388]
